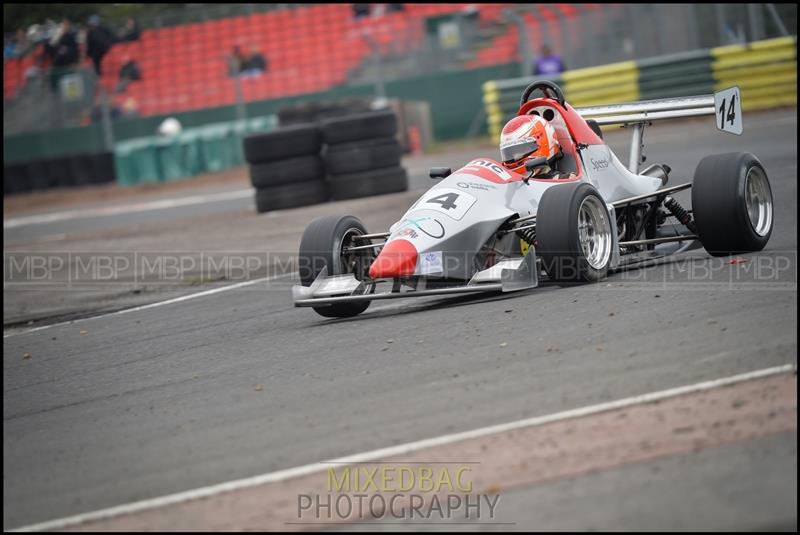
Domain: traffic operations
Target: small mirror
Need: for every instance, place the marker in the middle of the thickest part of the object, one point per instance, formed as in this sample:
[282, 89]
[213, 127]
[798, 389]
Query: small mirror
[533, 163]
[440, 172]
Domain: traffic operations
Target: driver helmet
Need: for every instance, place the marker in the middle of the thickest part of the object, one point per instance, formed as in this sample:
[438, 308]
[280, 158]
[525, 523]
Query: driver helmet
[525, 137]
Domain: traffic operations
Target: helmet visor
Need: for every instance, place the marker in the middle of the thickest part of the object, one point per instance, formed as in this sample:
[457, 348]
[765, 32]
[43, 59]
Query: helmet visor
[513, 153]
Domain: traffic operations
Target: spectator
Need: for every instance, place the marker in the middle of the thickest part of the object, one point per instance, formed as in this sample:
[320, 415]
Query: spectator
[98, 42]
[63, 46]
[9, 48]
[548, 63]
[114, 112]
[255, 65]
[62, 51]
[130, 108]
[360, 10]
[40, 33]
[17, 46]
[130, 32]
[236, 61]
[129, 72]
[394, 8]
[37, 69]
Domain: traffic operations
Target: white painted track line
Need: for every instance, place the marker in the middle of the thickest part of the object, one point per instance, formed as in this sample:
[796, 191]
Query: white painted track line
[401, 449]
[126, 209]
[157, 304]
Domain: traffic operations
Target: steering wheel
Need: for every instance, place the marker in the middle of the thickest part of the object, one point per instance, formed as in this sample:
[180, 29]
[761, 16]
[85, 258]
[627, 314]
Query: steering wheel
[547, 87]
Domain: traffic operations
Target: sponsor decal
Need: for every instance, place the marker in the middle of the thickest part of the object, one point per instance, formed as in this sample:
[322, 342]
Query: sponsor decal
[475, 185]
[494, 167]
[599, 165]
[407, 233]
[431, 263]
[427, 225]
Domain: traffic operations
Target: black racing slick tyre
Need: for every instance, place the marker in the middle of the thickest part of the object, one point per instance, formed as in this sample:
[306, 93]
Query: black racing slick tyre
[322, 245]
[283, 143]
[369, 125]
[291, 196]
[360, 156]
[368, 183]
[574, 236]
[732, 204]
[290, 171]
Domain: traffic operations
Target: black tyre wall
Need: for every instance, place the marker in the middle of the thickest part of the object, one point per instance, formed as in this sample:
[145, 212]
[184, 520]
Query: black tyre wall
[359, 126]
[291, 196]
[102, 168]
[283, 143]
[15, 179]
[368, 183]
[360, 156]
[289, 171]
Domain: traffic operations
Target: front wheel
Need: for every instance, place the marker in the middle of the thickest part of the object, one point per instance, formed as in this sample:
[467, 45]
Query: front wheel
[732, 204]
[574, 233]
[323, 245]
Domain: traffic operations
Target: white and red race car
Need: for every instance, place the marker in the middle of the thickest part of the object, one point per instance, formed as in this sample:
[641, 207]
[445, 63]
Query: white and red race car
[484, 228]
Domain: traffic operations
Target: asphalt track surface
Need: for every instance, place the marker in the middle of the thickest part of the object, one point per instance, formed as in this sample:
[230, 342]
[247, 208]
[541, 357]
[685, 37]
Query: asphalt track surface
[122, 408]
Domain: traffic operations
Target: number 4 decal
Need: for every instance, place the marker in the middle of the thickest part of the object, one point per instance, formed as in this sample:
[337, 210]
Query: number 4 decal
[728, 107]
[448, 200]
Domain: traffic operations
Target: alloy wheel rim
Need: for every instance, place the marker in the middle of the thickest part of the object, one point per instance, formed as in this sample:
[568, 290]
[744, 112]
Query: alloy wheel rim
[758, 201]
[594, 232]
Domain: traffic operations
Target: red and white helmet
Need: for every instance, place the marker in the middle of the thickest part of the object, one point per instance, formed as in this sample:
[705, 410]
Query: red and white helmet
[525, 137]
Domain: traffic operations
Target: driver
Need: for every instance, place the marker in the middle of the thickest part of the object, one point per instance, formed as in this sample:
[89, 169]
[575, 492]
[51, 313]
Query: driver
[530, 136]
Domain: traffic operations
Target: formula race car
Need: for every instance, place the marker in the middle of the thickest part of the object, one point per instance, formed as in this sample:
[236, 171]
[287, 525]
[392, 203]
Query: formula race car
[484, 228]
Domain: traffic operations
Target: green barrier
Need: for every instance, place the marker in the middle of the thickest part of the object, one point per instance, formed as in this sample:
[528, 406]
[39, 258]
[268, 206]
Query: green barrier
[191, 155]
[688, 73]
[212, 150]
[209, 148]
[136, 162]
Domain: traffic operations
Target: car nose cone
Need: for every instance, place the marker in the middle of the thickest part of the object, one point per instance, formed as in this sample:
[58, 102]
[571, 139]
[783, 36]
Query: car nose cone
[397, 258]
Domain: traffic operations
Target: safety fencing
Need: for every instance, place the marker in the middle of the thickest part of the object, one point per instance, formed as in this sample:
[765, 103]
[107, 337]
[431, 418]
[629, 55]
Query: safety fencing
[765, 71]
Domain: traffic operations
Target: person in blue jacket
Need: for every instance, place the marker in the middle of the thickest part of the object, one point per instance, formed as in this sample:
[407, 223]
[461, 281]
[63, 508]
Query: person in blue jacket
[548, 63]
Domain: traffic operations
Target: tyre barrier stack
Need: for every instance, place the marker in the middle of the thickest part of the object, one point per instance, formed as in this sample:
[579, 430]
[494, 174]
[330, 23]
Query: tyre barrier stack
[63, 172]
[312, 112]
[286, 167]
[362, 155]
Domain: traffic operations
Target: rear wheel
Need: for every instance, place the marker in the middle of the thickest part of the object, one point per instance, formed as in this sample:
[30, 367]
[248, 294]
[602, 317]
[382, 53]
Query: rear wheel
[323, 245]
[573, 233]
[732, 204]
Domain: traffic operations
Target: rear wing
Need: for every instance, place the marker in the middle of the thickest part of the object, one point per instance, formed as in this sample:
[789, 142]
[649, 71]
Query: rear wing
[726, 105]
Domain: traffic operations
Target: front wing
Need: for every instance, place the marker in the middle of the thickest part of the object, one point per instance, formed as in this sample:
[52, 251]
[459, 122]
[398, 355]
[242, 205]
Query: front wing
[508, 275]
